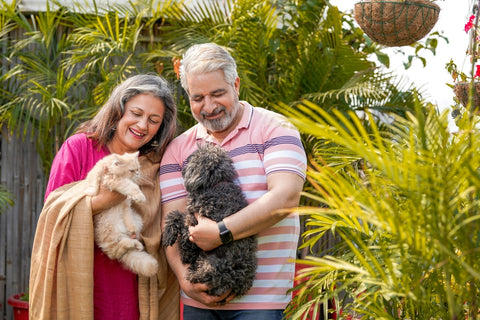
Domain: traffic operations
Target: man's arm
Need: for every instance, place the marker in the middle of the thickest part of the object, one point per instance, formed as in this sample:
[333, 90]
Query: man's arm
[195, 291]
[284, 190]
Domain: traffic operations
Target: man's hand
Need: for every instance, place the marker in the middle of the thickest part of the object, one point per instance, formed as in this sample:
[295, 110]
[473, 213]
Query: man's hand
[205, 234]
[198, 292]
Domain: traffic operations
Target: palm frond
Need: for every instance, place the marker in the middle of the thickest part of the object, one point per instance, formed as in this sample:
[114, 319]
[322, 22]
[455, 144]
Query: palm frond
[399, 221]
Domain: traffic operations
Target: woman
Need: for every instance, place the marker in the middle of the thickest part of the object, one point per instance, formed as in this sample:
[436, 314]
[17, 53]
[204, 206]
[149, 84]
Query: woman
[70, 277]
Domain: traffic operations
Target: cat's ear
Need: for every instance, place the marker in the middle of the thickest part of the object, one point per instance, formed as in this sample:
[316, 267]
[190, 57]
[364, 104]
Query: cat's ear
[116, 159]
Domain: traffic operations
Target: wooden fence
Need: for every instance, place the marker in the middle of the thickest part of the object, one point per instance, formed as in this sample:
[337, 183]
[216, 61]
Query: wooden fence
[21, 173]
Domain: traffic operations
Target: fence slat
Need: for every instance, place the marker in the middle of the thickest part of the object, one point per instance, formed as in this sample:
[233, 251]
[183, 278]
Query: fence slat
[21, 173]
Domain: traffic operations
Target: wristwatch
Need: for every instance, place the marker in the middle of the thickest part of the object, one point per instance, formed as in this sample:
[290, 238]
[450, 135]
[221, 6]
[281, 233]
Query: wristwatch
[225, 234]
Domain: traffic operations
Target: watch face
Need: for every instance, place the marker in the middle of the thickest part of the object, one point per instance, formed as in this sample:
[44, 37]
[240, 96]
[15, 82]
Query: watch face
[226, 236]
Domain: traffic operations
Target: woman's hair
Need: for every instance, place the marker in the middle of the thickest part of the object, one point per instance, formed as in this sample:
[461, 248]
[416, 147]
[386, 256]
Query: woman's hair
[102, 127]
[207, 57]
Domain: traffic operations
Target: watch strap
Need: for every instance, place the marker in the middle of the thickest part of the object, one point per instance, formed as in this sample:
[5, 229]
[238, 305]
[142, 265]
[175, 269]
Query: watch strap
[225, 234]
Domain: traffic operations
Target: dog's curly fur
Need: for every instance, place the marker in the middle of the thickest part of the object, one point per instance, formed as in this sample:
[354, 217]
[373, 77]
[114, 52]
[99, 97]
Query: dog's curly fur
[209, 178]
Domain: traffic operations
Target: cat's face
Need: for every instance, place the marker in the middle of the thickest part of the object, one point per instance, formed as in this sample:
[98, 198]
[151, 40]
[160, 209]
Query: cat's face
[125, 165]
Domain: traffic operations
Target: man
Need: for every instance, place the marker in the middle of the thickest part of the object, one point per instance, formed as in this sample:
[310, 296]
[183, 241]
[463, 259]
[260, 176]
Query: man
[270, 162]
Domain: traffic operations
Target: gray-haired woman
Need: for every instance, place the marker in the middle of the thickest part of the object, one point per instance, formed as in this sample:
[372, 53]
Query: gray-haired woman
[140, 115]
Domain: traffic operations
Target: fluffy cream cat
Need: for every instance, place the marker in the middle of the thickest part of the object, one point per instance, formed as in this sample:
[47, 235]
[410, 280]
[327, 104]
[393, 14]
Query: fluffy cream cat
[117, 229]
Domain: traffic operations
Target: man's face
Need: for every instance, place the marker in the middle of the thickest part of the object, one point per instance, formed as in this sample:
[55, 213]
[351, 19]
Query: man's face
[214, 102]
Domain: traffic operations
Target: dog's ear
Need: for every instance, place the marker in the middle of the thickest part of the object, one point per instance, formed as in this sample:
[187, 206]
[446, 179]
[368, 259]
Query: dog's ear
[207, 167]
[174, 225]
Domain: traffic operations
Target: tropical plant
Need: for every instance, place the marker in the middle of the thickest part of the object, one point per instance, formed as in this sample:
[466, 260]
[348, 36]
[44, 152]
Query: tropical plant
[64, 67]
[60, 65]
[405, 204]
[289, 50]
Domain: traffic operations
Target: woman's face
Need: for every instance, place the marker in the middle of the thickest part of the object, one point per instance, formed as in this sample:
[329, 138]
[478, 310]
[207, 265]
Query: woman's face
[141, 121]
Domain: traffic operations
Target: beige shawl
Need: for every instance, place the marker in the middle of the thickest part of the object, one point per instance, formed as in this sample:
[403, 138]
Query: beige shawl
[61, 273]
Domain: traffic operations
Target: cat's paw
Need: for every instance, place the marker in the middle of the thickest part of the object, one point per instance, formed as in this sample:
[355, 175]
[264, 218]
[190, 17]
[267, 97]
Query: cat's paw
[91, 191]
[119, 250]
[150, 267]
[138, 245]
[125, 245]
[138, 197]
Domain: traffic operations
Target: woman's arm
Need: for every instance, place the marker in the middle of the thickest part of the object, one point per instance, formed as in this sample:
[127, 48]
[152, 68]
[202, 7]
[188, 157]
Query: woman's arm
[105, 199]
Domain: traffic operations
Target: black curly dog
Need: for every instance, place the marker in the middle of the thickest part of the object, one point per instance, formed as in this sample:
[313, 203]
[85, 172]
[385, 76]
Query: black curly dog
[209, 178]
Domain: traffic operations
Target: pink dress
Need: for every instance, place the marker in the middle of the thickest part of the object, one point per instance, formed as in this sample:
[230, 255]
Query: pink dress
[115, 288]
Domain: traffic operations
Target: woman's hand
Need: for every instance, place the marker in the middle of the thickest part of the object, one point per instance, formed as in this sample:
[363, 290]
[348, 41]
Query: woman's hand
[105, 199]
[205, 234]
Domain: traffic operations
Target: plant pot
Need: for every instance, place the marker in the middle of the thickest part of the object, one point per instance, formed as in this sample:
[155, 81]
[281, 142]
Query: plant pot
[461, 91]
[20, 307]
[396, 22]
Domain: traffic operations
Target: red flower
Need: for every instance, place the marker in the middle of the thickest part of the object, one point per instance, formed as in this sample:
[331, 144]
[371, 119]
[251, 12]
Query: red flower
[477, 72]
[176, 66]
[469, 24]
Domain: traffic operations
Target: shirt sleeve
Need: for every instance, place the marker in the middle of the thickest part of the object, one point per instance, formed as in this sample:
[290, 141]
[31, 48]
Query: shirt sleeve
[66, 166]
[284, 150]
[171, 180]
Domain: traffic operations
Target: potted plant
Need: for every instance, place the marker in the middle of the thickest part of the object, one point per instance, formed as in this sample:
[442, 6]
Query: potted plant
[19, 303]
[396, 22]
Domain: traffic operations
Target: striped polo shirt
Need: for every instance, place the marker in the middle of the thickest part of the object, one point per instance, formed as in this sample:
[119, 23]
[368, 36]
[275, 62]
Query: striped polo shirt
[264, 142]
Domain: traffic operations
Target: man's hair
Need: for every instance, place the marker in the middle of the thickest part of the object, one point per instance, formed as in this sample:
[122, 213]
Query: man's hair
[207, 57]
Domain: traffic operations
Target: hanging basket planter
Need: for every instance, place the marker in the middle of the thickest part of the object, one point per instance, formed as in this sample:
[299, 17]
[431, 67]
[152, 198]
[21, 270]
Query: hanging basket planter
[461, 91]
[396, 22]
